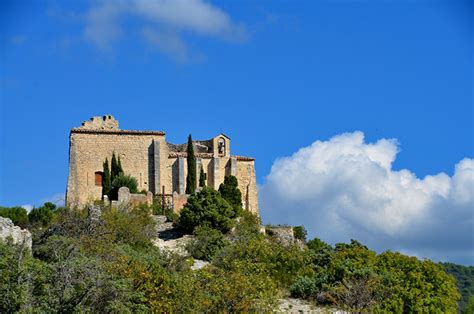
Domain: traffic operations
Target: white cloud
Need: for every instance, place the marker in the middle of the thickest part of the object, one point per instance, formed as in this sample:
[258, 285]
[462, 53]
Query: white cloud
[28, 207]
[163, 23]
[345, 188]
[58, 199]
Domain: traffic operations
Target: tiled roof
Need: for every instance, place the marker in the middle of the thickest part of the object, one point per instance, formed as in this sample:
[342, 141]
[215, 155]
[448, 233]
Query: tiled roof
[118, 132]
[243, 158]
[206, 155]
[184, 154]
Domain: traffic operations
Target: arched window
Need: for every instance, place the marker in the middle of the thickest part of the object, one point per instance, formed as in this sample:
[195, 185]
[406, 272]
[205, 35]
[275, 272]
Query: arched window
[221, 146]
[98, 178]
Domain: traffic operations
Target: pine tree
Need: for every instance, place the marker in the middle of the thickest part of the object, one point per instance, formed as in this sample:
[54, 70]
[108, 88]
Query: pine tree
[191, 177]
[202, 178]
[106, 179]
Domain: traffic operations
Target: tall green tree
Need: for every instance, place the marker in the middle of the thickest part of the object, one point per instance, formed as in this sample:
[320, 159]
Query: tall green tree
[191, 177]
[119, 164]
[202, 178]
[106, 179]
[231, 193]
[114, 168]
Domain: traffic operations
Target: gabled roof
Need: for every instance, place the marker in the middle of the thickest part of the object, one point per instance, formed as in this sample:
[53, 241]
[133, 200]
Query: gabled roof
[222, 134]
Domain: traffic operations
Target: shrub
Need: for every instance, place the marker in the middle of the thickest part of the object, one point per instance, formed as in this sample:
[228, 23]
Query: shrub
[261, 255]
[123, 180]
[248, 226]
[207, 243]
[207, 208]
[18, 215]
[304, 287]
[41, 216]
[300, 233]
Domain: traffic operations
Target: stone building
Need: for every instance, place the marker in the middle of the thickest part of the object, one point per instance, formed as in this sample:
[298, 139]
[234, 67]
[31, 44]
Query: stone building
[159, 167]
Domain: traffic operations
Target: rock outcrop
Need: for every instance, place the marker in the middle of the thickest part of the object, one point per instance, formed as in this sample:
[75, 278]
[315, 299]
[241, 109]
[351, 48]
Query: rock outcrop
[19, 236]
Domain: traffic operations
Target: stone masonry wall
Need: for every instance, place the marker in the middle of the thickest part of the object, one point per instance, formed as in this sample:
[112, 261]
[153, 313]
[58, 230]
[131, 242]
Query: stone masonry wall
[88, 152]
[248, 184]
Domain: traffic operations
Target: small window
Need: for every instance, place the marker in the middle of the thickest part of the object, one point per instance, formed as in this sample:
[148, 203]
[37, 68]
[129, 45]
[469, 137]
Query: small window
[98, 178]
[221, 146]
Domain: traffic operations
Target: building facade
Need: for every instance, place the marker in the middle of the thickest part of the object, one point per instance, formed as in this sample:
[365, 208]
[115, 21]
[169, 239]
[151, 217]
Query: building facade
[159, 167]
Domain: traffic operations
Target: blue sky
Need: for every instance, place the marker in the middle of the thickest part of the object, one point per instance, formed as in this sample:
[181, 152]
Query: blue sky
[276, 76]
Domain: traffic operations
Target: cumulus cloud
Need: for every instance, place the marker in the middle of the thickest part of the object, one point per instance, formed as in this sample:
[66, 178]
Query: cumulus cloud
[346, 188]
[163, 23]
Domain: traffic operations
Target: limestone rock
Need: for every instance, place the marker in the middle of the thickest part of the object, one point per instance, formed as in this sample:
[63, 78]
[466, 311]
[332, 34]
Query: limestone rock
[19, 236]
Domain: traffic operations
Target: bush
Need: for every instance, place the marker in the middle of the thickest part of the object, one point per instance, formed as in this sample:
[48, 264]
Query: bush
[300, 233]
[207, 208]
[18, 215]
[41, 216]
[261, 255]
[304, 287]
[207, 243]
[123, 180]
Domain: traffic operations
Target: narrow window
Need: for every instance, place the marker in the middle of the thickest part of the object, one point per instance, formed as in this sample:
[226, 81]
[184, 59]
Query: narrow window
[98, 178]
[221, 146]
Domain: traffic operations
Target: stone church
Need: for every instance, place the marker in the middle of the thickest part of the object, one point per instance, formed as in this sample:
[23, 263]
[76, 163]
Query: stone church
[159, 167]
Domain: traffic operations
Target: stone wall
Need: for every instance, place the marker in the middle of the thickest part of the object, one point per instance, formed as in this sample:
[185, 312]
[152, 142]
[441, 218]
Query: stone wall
[248, 184]
[88, 151]
[125, 198]
[19, 236]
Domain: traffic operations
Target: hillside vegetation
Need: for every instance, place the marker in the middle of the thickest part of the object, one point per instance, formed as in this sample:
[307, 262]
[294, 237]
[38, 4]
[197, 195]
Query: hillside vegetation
[85, 263]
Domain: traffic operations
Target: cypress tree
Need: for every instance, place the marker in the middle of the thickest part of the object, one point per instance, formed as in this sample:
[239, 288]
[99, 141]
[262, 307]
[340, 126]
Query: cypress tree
[106, 180]
[119, 166]
[115, 170]
[202, 178]
[191, 177]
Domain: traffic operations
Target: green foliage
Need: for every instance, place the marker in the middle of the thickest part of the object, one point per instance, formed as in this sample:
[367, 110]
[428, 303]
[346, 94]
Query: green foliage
[18, 215]
[115, 168]
[207, 243]
[42, 216]
[202, 178]
[248, 227]
[231, 193]
[416, 286]
[465, 281]
[207, 208]
[191, 160]
[108, 264]
[123, 180]
[304, 287]
[354, 278]
[469, 308]
[106, 179]
[300, 233]
[16, 270]
[262, 255]
[133, 228]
